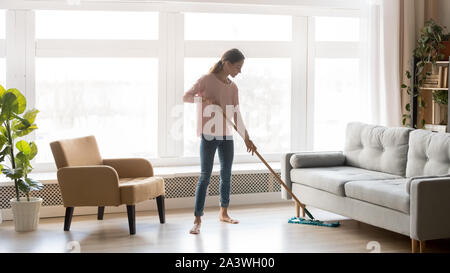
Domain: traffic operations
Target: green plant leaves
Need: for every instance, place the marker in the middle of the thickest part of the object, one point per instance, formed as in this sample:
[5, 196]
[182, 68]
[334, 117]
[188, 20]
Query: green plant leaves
[34, 151]
[15, 123]
[441, 97]
[26, 185]
[13, 173]
[24, 147]
[21, 101]
[9, 105]
[2, 91]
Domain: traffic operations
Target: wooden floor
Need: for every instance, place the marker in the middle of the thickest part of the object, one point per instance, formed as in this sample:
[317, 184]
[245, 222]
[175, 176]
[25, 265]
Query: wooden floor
[262, 229]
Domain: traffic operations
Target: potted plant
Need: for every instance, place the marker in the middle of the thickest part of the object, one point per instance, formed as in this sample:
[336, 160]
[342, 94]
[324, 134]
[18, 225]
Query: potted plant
[16, 124]
[430, 49]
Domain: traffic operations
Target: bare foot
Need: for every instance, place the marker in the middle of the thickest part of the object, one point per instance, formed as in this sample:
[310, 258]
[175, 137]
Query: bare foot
[195, 229]
[227, 219]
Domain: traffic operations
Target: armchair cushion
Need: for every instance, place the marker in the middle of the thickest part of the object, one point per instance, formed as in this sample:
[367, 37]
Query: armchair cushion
[130, 167]
[134, 190]
[317, 159]
[89, 186]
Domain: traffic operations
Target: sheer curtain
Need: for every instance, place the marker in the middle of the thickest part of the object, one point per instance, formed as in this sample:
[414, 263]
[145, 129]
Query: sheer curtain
[390, 28]
[381, 25]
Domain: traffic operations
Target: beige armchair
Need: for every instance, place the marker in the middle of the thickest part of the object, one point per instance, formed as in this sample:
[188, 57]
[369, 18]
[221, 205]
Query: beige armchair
[85, 179]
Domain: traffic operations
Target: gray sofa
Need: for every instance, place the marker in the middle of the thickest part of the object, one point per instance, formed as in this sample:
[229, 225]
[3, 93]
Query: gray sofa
[393, 178]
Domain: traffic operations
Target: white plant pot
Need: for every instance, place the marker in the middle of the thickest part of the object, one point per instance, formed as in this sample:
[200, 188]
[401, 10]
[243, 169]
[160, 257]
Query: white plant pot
[26, 213]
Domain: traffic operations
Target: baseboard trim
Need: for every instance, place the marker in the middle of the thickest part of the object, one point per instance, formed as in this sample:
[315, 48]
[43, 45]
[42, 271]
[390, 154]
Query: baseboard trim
[150, 205]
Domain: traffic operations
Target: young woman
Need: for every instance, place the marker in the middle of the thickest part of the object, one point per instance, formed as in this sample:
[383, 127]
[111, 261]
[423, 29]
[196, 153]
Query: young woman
[212, 89]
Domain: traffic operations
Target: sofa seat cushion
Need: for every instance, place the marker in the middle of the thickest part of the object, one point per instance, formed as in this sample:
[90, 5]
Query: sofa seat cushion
[135, 190]
[333, 179]
[386, 193]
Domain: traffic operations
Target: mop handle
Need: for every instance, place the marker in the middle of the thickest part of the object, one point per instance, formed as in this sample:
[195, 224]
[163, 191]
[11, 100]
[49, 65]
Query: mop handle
[267, 165]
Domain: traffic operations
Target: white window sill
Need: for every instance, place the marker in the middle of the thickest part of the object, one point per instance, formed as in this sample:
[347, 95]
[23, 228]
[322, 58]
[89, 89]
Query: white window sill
[166, 172]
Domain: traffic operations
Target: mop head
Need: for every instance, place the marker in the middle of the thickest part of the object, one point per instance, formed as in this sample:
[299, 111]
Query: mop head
[303, 221]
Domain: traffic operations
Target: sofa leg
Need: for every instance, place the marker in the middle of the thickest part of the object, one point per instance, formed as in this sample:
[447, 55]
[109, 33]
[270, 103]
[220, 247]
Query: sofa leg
[101, 211]
[161, 209]
[414, 245]
[68, 218]
[131, 211]
[422, 246]
[297, 210]
[303, 212]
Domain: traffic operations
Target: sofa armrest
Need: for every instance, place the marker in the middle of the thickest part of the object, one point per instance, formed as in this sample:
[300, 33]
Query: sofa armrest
[286, 174]
[317, 159]
[429, 208]
[89, 186]
[130, 167]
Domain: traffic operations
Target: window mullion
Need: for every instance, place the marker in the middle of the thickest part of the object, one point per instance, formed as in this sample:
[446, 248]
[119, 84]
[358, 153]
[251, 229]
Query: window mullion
[299, 83]
[162, 85]
[310, 88]
[20, 55]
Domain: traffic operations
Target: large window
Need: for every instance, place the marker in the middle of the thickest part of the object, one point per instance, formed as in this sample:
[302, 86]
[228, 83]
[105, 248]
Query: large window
[336, 76]
[337, 100]
[91, 80]
[265, 80]
[264, 97]
[120, 75]
[112, 98]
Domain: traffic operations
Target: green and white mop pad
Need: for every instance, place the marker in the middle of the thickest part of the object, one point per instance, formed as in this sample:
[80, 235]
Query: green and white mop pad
[303, 221]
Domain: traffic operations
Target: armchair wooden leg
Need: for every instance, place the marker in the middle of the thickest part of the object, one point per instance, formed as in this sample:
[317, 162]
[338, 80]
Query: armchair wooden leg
[414, 245]
[131, 211]
[68, 218]
[297, 210]
[161, 209]
[101, 211]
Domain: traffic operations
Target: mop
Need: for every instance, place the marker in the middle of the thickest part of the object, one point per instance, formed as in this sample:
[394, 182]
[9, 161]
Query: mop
[293, 220]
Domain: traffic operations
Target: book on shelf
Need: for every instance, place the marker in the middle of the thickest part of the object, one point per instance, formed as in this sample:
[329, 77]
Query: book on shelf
[445, 77]
[439, 80]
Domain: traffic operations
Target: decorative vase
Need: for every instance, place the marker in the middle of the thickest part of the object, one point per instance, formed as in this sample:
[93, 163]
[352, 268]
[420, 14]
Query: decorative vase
[26, 213]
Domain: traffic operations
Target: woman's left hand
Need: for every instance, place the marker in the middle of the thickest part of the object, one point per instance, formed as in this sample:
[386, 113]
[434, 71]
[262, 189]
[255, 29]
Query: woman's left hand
[250, 146]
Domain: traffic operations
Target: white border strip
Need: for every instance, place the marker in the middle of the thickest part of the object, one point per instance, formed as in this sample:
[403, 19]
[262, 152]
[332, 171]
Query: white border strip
[150, 205]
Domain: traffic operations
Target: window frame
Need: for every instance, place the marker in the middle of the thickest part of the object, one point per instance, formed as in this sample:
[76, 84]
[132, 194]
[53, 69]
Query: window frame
[171, 49]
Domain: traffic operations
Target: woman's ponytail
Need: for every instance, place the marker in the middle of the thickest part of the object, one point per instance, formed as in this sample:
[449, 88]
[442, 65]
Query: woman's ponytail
[217, 67]
[233, 56]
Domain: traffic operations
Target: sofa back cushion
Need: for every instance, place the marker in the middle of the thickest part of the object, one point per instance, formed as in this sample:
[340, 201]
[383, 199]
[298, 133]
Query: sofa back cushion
[429, 154]
[377, 148]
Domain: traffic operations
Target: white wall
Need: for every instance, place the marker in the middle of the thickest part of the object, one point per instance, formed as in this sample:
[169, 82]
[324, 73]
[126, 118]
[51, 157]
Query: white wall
[444, 13]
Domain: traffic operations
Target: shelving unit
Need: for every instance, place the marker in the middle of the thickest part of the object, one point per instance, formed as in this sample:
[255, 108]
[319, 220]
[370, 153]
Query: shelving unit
[413, 103]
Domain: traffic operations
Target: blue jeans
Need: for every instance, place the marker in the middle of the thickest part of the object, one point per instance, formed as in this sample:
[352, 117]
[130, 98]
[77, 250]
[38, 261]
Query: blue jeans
[208, 147]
